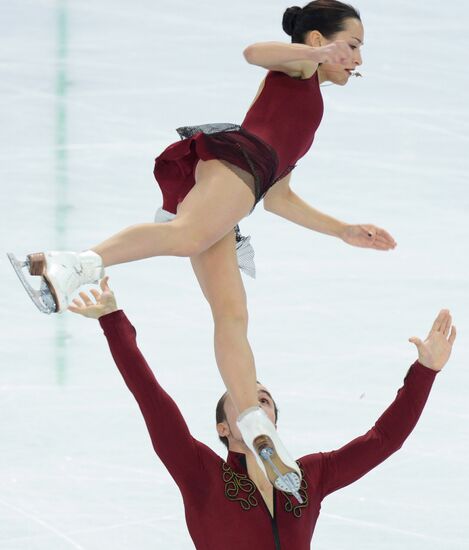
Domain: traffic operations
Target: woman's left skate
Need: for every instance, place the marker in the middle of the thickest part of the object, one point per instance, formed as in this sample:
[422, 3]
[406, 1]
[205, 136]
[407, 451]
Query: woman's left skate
[62, 273]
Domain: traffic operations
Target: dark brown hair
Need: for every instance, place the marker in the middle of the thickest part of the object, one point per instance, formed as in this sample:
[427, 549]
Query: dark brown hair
[326, 16]
[220, 415]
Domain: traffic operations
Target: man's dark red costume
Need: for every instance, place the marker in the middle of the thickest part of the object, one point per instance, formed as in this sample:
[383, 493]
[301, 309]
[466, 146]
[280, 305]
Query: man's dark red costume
[224, 510]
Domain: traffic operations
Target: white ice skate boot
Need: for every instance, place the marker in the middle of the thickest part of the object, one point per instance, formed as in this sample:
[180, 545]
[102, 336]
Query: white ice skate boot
[261, 437]
[62, 273]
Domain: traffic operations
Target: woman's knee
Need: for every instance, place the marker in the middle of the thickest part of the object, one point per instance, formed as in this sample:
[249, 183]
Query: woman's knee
[230, 312]
[191, 246]
[187, 241]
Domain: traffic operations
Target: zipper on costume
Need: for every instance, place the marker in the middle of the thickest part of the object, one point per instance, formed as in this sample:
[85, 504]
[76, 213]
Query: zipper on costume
[274, 524]
[273, 519]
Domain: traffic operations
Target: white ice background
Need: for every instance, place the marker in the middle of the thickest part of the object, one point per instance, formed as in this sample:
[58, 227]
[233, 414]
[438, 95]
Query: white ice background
[90, 93]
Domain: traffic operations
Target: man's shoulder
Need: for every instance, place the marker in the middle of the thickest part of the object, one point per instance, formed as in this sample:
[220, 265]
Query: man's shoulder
[311, 461]
[207, 454]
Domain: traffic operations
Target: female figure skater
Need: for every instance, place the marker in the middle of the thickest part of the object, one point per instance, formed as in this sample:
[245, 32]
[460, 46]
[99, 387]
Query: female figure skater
[212, 179]
[228, 504]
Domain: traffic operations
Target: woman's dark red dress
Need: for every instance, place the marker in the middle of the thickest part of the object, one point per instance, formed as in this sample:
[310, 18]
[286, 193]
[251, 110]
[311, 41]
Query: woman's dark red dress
[278, 130]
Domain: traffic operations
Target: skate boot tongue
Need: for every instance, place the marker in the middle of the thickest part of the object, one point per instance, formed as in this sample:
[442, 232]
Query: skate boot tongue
[90, 268]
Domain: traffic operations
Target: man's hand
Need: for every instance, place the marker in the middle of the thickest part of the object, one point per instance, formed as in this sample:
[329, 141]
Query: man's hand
[368, 236]
[105, 302]
[436, 350]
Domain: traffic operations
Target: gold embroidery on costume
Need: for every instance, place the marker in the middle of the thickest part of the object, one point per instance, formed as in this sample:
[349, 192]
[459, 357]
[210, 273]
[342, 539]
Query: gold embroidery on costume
[236, 483]
[292, 505]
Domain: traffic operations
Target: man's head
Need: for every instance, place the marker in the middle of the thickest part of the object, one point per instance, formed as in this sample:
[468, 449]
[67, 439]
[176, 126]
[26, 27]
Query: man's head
[226, 415]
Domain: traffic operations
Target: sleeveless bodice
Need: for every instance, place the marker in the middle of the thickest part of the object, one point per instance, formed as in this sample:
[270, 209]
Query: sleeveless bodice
[278, 130]
[286, 115]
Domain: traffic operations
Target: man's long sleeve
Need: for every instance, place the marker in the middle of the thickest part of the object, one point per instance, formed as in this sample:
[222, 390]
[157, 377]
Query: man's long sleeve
[344, 466]
[172, 441]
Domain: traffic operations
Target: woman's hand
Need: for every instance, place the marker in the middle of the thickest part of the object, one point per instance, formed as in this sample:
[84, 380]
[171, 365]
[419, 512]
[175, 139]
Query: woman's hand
[105, 302]
[368, 236]
[335, 53]
[435, 351]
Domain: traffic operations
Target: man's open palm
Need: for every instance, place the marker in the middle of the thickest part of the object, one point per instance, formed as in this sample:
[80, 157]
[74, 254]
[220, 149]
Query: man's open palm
[435, 351]
[104, 302]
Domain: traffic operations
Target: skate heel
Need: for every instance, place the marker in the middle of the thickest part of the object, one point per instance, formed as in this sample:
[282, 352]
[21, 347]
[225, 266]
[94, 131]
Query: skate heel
[43, 298]
[280, 475]
[37, 264]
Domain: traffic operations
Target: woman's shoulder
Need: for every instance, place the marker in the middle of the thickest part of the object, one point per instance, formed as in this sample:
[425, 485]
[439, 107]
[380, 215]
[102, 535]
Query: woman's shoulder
[304, 70]
[293, 78]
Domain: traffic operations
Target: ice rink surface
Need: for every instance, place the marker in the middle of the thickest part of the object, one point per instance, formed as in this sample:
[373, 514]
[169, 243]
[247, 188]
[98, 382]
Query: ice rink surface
[90, 93]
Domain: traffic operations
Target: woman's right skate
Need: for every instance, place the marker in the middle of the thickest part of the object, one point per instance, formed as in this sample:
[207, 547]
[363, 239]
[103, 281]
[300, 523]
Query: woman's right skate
[260, 435]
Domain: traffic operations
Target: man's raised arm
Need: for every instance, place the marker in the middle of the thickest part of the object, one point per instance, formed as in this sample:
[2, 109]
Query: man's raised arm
[344, 466]
[172, 441]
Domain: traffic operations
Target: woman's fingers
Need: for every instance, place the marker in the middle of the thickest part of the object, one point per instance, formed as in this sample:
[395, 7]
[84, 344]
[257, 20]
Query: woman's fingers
[379, 244]
[338, 52]
[389, 243]
[378, 234]
[385, 235]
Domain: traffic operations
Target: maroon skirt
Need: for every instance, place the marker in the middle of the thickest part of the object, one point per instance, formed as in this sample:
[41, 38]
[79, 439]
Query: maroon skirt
[175, 167]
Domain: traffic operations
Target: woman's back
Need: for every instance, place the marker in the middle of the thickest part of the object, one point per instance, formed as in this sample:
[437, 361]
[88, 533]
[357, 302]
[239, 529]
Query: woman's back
[286, 115]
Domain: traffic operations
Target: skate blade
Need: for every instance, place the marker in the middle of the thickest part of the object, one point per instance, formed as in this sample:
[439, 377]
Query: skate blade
[280, 475]
[42, 298]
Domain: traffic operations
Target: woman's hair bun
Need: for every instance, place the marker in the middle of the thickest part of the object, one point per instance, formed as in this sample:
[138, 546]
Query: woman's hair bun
[290, 17]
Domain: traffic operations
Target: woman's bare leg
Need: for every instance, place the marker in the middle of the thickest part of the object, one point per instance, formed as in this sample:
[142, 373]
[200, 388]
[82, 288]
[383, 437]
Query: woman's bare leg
[220, 280]
[217, 202]
[203, 230]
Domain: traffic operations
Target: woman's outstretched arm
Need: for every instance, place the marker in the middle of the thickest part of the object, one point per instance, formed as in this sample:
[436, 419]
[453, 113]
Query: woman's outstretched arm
[284, 202]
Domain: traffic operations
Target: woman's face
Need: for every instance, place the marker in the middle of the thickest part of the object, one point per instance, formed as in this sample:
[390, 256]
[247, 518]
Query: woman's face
[353, 35]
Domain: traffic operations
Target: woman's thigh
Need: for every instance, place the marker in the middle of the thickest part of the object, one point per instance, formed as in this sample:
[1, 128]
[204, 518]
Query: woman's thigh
[219, 277]
[220, 198]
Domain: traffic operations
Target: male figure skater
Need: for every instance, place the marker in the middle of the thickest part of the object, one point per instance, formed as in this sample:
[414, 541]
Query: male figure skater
[230, 504]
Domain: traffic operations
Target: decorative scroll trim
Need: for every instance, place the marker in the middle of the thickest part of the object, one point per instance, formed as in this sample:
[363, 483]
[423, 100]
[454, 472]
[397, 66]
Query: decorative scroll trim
[239, 483]
[291, 504]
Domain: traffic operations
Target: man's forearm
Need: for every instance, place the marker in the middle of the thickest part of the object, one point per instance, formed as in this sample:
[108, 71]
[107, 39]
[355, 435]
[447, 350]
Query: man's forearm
[295, 209]
[346, 465]
[400, 418]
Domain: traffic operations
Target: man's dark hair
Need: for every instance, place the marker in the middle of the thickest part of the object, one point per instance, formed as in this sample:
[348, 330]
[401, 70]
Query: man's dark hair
[326, 16]
[220, 415]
